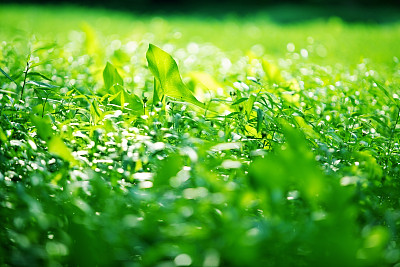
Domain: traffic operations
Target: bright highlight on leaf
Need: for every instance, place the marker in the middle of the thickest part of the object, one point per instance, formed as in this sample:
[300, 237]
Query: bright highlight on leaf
[111, 76]
[167, 77]
[113, 84]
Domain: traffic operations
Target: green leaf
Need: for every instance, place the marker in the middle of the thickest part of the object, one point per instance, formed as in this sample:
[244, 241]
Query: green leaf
[237, 102]
[95, 112]
[260, 119]
[55, 144]
[249, 105]
[111, 76]
[9, 77]
[57, 147]
[41, 63]
[305, 127]
[122, 97]
[38, 74]
[3, 136]
[165, 71]
[46, 47]
[386, 92]
[157, 94]
[43, 127]
[135, 103]
[42, 85]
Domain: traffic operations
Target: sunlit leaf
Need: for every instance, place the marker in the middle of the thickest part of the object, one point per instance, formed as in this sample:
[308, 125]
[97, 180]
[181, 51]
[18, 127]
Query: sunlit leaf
[33, 73]
[165, 70]
[54, 142]
[260, 119]
[241, 100]
[42, 85]
[306, 128]
[57, 147]
[95, 112]
[111, 76]
[3, 136]
[43, 127]
[249, 105]
[9, 77]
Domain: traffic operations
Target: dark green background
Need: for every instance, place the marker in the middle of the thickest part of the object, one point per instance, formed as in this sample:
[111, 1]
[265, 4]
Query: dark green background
[150, 4]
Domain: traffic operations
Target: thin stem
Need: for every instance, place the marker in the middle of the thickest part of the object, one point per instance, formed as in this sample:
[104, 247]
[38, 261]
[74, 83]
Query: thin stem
[26, 75]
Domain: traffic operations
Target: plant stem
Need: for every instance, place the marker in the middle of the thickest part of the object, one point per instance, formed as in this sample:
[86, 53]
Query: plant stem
[26, 75]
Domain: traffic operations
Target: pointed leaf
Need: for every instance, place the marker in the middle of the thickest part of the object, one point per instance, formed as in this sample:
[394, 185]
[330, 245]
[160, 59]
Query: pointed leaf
[135, 103]
[165, 70]
[111, 76]
[249, 105]
[121, 98]
[57, 147]
[42, 84]
[9, 77]
[240, 100]
[38, 74]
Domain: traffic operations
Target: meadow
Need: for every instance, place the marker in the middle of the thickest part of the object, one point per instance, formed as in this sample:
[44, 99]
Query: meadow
[194, 140]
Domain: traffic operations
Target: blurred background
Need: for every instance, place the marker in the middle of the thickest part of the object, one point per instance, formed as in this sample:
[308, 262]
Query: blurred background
[280, 11]
[195, 3]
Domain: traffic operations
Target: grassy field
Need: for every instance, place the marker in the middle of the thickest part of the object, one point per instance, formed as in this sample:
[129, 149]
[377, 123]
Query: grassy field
[195, 140]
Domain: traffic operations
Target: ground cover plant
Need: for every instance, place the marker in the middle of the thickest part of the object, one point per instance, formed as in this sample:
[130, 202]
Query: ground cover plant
[169, 141]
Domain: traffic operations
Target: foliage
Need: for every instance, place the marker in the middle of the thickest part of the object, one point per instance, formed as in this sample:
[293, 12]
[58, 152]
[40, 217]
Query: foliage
[109, 157]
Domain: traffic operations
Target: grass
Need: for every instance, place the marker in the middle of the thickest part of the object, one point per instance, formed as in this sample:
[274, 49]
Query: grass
[278, 146]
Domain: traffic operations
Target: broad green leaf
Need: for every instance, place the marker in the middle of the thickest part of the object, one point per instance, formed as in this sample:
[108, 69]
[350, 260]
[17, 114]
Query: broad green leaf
[3, 136]
[249, 105]
[157, 93]
[306, 128]
[55, 144]
[111, 76]
[122, 98]
[43, 127]
[58, 148]
[165, 70]
[135, 103]
[168, 168]
[114, 96]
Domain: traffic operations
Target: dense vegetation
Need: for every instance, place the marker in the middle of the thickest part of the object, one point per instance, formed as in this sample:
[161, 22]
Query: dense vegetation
[234, 142]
